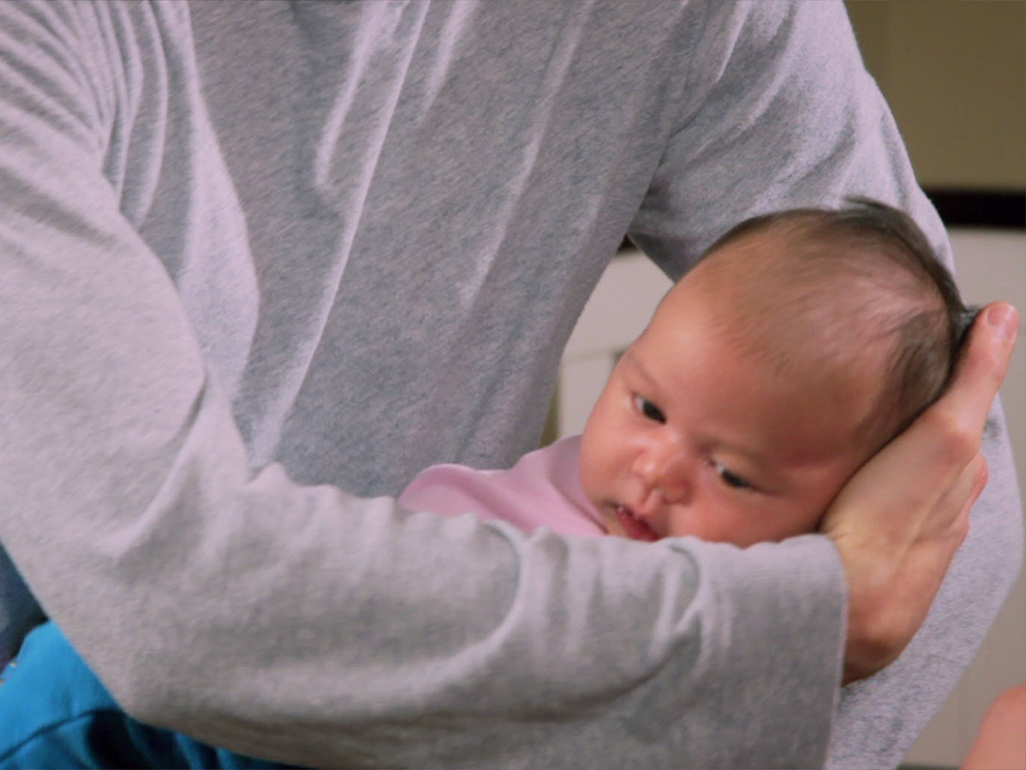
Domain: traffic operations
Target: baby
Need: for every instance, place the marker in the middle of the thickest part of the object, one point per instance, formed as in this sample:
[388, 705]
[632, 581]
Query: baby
[799, 345]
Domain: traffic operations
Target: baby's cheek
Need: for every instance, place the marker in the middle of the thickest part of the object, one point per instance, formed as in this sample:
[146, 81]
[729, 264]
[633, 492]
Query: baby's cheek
[717, 521]
[591, 481]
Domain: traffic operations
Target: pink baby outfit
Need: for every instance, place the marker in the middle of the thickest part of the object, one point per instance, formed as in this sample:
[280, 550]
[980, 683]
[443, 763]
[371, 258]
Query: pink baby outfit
[542, 489]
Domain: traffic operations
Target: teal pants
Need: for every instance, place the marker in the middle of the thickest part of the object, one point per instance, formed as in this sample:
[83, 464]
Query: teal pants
[55, 713]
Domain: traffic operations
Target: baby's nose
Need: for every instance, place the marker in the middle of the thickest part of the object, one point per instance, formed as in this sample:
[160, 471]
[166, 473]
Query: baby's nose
[663, 470]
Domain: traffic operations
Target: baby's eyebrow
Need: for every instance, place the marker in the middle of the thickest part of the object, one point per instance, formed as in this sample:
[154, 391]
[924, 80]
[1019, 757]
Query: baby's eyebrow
[632, 360]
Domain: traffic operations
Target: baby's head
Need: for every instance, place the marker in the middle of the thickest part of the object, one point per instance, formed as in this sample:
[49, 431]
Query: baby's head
[799, 345]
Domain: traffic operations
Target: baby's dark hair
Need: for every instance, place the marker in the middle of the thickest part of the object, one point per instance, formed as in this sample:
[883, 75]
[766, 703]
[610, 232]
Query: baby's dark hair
[875, 272]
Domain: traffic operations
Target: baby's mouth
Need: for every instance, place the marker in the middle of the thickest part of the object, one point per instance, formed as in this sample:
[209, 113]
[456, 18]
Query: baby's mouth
[635, 528]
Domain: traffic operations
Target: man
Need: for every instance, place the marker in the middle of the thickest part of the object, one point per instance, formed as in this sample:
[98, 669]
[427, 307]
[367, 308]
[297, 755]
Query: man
[261, 258]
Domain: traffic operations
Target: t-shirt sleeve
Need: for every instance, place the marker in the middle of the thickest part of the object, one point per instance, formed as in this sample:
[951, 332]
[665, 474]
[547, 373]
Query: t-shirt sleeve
[301, 623]
[780, 112]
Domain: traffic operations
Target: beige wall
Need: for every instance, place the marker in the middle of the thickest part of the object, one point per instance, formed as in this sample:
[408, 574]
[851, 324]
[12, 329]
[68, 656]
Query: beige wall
[954, 73]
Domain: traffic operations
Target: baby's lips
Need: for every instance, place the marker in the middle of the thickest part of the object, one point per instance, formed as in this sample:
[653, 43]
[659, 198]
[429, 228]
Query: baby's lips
[635, 528]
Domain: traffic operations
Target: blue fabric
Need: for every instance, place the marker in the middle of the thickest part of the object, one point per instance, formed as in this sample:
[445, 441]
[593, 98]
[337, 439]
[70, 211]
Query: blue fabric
[55, 713]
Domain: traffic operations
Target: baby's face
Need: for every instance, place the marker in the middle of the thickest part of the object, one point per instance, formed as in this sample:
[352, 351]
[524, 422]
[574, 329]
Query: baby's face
[692, 436]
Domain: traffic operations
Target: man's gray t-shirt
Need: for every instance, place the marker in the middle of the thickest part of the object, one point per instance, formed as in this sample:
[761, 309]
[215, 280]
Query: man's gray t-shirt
[263, 262]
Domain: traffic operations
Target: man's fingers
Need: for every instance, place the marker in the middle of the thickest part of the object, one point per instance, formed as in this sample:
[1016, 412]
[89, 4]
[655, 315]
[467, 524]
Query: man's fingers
[946, 437]
[981, 368]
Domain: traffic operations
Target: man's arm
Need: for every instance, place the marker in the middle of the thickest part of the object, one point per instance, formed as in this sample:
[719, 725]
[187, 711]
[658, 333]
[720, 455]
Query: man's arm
[375, 636]
[780, 112]
[942, 450]
[902, 698]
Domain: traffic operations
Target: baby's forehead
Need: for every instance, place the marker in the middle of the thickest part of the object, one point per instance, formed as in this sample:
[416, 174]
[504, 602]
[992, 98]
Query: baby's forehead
[789, 353]
[831, 292]
[781, 286]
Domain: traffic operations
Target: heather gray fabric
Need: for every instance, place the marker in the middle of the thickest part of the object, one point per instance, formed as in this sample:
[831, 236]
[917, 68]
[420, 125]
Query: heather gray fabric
[256, 254]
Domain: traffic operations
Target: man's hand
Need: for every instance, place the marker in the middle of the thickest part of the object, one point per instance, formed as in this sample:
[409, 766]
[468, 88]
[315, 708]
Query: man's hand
[900, 519]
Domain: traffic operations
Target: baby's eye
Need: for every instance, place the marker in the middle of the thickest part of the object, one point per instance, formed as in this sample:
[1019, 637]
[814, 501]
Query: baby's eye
[649, 410]
[730, 478]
